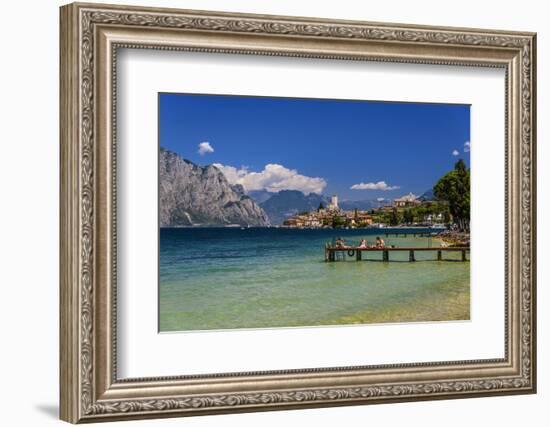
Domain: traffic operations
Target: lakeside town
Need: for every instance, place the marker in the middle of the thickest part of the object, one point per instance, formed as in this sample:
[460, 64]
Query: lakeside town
[407, 210]
[449, 206]
[448, 211]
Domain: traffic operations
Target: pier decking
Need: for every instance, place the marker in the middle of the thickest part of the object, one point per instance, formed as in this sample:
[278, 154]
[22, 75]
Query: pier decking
[352, 251]
[411, 233]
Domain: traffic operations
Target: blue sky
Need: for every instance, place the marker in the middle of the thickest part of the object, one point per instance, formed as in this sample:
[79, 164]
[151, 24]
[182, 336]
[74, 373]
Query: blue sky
[382, 149]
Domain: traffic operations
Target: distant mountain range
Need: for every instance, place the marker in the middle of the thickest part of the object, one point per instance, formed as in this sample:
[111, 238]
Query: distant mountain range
[260, 196]
[427, 196]
[362, 205]
[287, 203]
[192, 195]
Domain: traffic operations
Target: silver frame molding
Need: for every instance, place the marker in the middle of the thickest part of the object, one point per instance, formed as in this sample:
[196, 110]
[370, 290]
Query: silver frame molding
[90, 37]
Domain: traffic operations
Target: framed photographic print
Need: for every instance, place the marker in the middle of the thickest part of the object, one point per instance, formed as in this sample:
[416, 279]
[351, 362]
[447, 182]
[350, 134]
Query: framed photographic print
[263, 212]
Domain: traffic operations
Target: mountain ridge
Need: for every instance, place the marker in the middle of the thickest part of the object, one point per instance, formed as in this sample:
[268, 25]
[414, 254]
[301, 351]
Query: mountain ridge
[193, 195]
[286, 203]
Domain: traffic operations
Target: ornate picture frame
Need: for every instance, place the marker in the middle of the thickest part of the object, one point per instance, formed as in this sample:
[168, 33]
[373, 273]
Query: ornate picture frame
[90, 37]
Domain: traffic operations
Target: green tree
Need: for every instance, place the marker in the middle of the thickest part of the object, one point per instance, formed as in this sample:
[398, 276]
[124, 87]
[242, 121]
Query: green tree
[454, 187]
[321, 207]
[338, 221]
[408, 216]
[394, 217]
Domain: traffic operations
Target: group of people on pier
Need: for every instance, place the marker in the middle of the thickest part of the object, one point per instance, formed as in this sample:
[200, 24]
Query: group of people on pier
[340, 243]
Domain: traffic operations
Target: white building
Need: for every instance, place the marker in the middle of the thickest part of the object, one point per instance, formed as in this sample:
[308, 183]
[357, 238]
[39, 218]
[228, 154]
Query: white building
[408, 200]
[333, 202]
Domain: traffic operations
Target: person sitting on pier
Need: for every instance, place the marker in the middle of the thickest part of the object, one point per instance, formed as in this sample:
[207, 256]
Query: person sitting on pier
[363, 244]
[380, 242]
[340, 242]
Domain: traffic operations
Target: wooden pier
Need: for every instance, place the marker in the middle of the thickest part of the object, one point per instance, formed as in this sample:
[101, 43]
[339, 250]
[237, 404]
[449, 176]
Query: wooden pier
[412, 233]
[352, 251]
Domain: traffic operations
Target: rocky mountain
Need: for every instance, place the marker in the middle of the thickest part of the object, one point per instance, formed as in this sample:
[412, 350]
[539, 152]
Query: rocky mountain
[287, 203]
[195, 195]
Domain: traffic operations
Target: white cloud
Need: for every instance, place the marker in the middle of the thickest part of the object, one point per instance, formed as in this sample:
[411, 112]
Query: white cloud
[204, 148]
[232, 174]
[467, 146]
[455, 153]
[380, 185]
[272, 178]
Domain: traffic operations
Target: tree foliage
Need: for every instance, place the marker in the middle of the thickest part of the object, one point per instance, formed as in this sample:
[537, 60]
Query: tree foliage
[454, 187]
[338, 222]
[408, 216]
[394, 217]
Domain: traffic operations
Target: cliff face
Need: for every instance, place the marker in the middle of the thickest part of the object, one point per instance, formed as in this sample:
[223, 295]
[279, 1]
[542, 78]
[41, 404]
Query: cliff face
[194, 195]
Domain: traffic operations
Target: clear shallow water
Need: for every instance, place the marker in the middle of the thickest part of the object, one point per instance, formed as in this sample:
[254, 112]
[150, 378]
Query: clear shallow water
[226, 278]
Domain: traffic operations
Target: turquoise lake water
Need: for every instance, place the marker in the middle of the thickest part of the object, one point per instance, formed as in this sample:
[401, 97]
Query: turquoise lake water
[227, 278]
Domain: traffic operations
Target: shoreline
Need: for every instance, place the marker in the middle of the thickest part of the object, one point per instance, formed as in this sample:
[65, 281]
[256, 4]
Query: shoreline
[454, 238]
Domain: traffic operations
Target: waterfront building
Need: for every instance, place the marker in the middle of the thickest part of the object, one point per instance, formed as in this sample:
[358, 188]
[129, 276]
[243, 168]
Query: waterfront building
[406, 201]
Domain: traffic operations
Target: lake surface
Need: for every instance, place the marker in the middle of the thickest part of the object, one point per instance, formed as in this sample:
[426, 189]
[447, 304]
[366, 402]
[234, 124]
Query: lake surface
[227, 278]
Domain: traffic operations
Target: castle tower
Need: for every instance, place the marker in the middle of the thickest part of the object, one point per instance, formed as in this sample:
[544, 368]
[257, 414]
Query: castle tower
[334, 201]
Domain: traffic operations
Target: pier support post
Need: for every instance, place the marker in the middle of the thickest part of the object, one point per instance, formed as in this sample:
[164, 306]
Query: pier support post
[411, 256]
[358, 255]
[439, 255]
[463, 255]
[385, 256]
